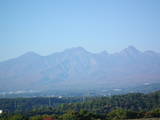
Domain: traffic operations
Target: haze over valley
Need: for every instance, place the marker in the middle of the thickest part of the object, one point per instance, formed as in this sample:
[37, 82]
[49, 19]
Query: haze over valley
[77, 69]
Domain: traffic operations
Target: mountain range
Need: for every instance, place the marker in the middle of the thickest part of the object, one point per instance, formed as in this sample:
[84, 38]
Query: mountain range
[77, 68]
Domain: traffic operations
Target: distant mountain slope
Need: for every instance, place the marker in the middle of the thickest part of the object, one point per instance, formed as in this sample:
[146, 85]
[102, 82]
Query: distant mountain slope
[78, 68]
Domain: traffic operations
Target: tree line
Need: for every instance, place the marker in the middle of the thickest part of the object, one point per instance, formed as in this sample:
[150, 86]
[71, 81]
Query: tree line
[117, 107]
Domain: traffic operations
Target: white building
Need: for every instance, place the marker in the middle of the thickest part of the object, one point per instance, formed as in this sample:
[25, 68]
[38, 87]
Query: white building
[1, 111]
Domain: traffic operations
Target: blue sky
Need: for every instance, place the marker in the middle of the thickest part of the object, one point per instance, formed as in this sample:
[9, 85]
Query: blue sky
[48, 26]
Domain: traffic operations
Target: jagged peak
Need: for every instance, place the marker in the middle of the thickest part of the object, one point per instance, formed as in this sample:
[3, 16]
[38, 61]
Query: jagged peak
[131, 49]
[75, 49]
[104, 52]
[30, 53]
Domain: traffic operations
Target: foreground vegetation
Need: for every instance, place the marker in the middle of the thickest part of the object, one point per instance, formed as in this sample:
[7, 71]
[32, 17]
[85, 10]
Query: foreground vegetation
[117, 114]
[118, 107]
[147, 119]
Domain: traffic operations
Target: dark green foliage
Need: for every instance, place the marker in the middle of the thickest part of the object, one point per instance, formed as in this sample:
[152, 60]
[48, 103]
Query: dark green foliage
[153, 113]
[134, 102]
[27, 104]
[17, 117]
[132, 114]
[70, 115]
[118, 107]
[118, 114]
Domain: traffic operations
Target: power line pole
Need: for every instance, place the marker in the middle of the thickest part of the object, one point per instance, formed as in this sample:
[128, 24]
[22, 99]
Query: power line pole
[49, 101]
[15, 105]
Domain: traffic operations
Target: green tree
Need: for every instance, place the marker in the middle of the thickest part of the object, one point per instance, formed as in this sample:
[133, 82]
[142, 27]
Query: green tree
[117, 114]
[71, 115]
[155, 113]
[17, 117]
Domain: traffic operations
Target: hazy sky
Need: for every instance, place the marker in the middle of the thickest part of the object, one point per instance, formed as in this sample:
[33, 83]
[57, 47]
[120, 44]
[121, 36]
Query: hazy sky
[47, 26]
